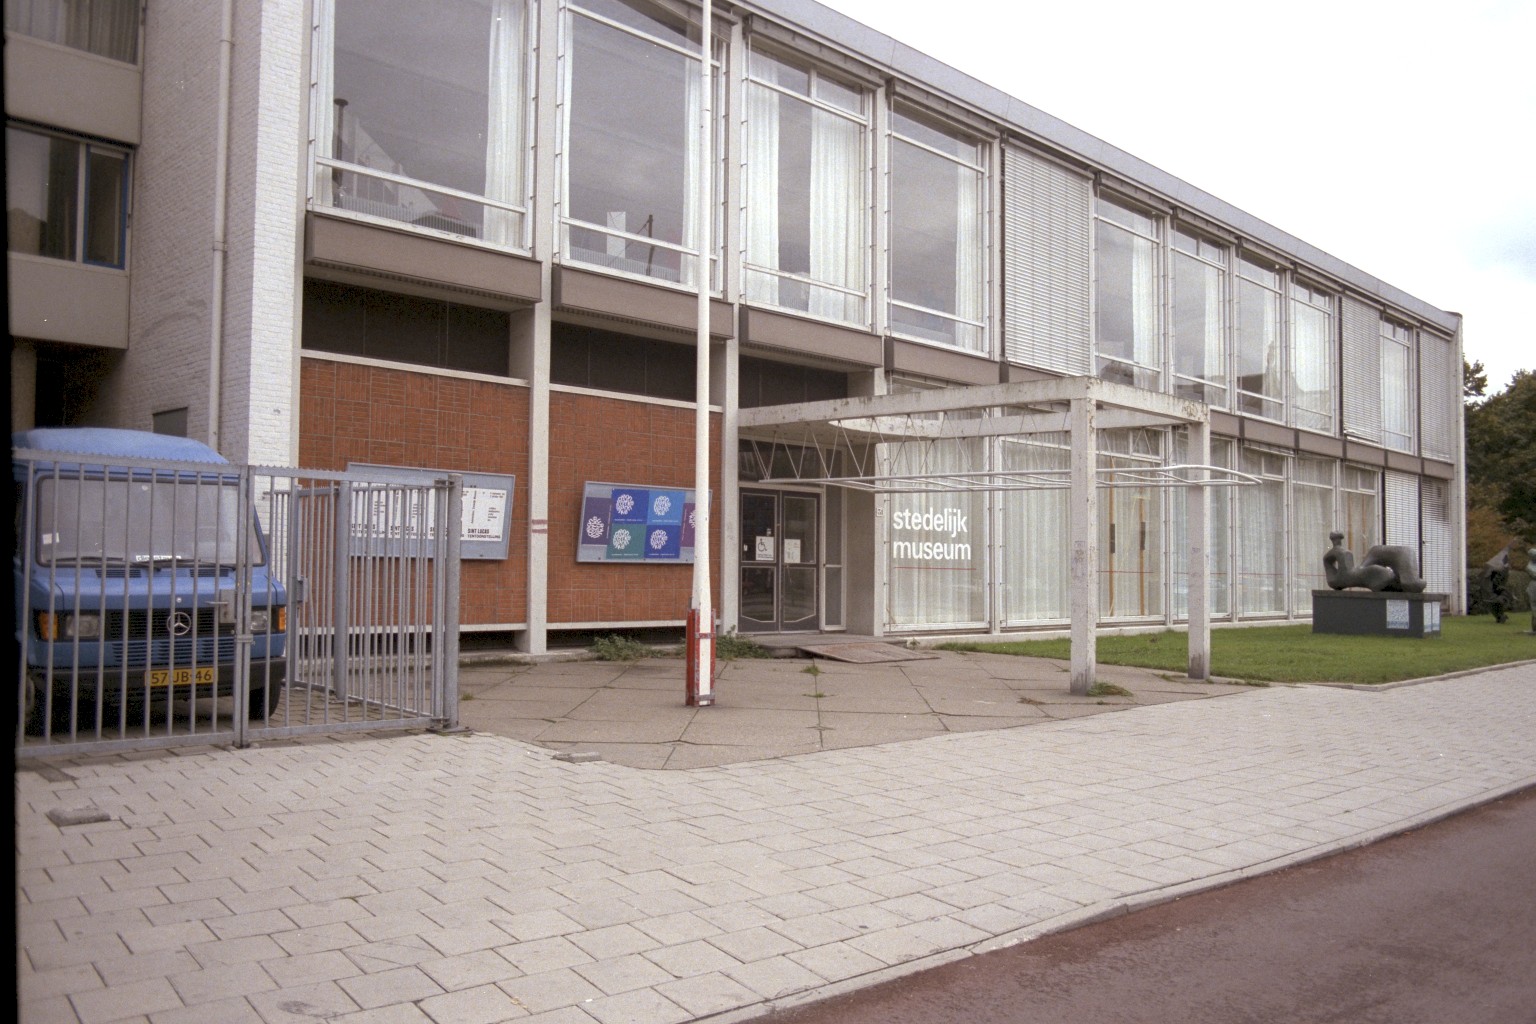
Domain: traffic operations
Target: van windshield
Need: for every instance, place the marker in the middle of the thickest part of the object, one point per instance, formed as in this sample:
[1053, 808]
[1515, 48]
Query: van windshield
[139, 522]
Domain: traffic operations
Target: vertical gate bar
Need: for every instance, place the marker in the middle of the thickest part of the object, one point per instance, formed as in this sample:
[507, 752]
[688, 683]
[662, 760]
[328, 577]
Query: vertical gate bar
[341, 612]
[244, 641]
[447, 663]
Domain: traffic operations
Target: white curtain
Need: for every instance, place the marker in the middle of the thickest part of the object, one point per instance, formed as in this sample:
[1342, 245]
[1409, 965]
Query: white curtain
[1034, 567]
[1312, 359]
[762, 188]
[1274, 352]
[504, 133]
[1214, 368]
[324, 114]
[693, 237]
[969, 273]
[1261, 541]
[1144, 309]
[1312, 521]
[836, 229]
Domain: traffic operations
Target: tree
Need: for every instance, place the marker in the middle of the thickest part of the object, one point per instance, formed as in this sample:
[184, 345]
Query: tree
[1474, 379]
[1501, 453]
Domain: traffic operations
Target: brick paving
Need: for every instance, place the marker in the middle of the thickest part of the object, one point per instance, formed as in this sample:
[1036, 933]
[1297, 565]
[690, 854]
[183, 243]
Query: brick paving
[471, 877]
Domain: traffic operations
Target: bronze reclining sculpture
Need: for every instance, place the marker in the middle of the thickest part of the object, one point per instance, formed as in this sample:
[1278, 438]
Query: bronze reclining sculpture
[1386, 567]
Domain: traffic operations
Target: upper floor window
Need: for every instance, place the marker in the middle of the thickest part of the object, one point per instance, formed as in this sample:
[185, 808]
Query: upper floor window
[938, 244]
[420, 114]
[1313, 394]
[1198, 303]
[107, 28]
[1127, 333]
[1397, 386]
[65, 198]
[1259, 345]
[631, 170]
[806, 204]
[405, 328]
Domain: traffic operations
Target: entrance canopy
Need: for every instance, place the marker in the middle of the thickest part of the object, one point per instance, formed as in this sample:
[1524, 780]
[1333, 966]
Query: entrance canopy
[853, 442]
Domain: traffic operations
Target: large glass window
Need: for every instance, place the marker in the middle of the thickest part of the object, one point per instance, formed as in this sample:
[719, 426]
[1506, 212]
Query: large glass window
[1362, 509]
[1131, 544]
[1035, 573]
[1313, 358]
[405, 328]
[65, 199]
[1312, 521]
[421, 114]
[1260, 349]
[1397, 386]
[1261, 553]
[1199, 303]
[806, 210]
[107, 28]
[938, 243]
[1126, 329]
[632, 114]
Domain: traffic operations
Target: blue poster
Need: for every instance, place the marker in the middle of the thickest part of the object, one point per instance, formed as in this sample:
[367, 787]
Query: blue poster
[629, 523]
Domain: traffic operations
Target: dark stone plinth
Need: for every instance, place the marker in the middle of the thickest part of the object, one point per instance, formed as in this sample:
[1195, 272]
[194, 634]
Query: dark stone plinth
[1376, 613]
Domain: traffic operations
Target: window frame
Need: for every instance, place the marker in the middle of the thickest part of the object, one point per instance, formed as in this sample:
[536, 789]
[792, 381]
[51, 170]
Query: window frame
[859, 291]
[1396, 337]
[1153, 231]
[977, 328]
[328, 168]
[1306, 295]
[1244, 401]
[81, 207]
[1196, 253]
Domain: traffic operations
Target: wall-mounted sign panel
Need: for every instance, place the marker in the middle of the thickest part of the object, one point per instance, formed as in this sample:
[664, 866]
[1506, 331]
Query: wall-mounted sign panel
[484, 531]
[631, 523]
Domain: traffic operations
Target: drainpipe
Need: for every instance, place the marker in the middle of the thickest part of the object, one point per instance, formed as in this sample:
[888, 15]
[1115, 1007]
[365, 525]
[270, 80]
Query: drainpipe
[220, 228]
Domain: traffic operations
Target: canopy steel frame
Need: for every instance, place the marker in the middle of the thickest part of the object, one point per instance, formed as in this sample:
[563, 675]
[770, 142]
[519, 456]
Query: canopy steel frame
[847, 442]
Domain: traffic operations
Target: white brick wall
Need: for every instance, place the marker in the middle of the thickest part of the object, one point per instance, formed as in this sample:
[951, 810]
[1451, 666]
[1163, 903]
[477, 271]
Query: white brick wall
[170, 334]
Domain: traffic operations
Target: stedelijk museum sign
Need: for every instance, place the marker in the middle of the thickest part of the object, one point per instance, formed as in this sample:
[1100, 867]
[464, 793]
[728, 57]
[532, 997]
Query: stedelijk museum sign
[629, 523]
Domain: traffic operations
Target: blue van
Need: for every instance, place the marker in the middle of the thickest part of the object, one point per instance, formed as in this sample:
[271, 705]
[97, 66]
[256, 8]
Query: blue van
[128, 579]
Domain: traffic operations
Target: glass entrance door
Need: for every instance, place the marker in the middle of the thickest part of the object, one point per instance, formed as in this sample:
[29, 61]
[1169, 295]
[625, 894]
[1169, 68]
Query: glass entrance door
[780, 562]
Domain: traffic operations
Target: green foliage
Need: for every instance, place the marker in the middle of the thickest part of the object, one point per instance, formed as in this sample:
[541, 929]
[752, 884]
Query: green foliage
[1107, 690]
[731, 646]
[1501, 460]
[1474, 379]
[617, 647]
[1296, 654]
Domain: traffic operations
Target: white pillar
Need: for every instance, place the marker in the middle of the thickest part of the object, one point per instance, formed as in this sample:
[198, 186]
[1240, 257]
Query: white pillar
[1083, 533]
[1197, 536]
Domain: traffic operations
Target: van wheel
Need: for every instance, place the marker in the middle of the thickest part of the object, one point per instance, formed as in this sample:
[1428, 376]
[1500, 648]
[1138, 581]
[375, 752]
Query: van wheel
[262, 703]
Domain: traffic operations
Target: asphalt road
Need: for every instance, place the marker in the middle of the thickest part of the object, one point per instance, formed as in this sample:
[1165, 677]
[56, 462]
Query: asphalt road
[1435, 926]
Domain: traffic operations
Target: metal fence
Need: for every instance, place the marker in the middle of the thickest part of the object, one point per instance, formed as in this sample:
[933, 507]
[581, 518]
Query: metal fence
[168, 603]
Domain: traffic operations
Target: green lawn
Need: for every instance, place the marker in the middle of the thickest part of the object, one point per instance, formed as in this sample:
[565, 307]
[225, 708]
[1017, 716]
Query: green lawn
[1296, 654]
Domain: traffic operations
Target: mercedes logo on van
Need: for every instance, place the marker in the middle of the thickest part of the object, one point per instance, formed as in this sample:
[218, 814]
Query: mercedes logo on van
[179, 623]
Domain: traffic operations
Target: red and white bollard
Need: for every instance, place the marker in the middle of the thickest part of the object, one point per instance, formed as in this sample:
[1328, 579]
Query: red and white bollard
[699, 663]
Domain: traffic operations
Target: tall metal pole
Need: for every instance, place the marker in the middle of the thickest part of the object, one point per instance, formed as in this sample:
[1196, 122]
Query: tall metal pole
[701, 688]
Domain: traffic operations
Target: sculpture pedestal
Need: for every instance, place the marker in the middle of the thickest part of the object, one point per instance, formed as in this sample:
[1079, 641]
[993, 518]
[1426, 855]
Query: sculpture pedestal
[1376, 613]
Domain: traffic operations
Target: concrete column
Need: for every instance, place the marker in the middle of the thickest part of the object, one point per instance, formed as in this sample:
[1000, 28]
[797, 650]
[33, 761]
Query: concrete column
[1083, 532]
[1197, 536]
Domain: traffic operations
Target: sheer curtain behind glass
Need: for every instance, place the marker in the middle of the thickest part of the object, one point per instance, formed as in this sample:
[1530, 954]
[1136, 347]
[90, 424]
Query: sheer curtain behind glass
[1261, 536]
[1311, 521]
[1259, 346]
[1034, 564]
[1199, 321]
[1312, 355]
[421, 106]
[804, 202]
[1126, 315]
[937, 237]
[107, 28]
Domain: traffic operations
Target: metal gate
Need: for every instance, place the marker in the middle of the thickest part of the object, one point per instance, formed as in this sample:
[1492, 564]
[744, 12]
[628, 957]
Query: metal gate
[162, 603]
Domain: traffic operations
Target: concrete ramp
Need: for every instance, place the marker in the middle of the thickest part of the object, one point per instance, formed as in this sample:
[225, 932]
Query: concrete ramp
[865, 654]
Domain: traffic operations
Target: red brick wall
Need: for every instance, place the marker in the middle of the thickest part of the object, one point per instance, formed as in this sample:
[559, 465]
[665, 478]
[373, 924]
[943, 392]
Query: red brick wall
[654, 448]
[353, 413]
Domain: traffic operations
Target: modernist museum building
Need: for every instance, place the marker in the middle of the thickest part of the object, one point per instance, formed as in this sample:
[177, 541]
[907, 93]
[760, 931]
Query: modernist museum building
[469, 235]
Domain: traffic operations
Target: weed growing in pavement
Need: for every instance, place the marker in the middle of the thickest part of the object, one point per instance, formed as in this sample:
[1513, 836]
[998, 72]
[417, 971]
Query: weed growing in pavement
[731, 646]
[617, 647]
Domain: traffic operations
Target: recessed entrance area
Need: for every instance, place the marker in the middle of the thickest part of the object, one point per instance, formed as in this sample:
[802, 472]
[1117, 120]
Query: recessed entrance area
[780, 561]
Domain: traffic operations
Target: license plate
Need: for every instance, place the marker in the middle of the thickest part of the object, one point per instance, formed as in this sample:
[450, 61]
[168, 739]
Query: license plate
[181, 676]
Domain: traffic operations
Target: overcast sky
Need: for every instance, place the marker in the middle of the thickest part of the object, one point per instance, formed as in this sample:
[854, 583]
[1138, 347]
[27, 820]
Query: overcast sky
[1398, 136]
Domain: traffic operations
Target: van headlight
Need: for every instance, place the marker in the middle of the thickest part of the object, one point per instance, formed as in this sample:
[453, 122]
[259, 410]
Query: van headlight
[269, 620]
[55, 626]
